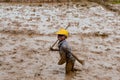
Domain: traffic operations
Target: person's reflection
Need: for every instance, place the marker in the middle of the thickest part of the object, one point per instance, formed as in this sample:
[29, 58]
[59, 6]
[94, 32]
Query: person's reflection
[69, 76]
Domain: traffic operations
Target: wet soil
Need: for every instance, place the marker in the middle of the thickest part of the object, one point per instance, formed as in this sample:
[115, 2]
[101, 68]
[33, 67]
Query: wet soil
[28, 31]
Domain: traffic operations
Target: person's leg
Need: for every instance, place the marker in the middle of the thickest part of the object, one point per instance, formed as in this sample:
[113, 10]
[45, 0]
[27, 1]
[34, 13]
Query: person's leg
[69, 66]
[73, 63]
[74, 69]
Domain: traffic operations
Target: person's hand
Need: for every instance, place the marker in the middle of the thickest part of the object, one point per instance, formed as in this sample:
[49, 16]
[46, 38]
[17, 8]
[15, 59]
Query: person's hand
[69, 24]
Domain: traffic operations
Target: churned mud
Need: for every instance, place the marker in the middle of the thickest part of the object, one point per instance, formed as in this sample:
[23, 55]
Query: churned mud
[27, 31]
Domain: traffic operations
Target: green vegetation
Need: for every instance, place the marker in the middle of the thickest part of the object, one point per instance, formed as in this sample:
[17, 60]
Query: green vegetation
[116, 2]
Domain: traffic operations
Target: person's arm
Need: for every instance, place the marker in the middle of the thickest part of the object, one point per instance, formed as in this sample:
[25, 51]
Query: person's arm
[53, 49]
[66, 48]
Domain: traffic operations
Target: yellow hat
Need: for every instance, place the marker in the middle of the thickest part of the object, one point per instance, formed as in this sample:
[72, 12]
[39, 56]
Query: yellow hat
[63, 32]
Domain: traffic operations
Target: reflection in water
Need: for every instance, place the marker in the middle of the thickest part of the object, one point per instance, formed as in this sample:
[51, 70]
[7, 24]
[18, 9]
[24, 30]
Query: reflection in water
[69, 76]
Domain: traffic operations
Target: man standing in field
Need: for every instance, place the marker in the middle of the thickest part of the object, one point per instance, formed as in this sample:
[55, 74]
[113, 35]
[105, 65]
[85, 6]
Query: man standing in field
[65, 51]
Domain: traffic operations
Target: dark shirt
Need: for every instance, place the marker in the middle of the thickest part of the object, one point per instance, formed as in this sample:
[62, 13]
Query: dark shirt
[65, 51]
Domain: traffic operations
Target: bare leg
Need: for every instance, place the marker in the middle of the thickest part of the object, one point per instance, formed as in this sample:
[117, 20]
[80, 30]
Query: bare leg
[69, 66]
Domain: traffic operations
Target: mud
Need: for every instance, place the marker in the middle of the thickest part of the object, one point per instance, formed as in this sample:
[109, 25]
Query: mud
[28, 31]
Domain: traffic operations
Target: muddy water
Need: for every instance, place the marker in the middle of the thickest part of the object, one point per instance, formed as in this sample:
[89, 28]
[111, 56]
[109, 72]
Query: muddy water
[27, 32]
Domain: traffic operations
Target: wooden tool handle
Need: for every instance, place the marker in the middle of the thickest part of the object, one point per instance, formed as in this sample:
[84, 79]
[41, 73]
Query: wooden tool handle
[80, 61]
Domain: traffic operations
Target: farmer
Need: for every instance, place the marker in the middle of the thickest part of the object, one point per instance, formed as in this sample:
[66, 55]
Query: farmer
[64, 51]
